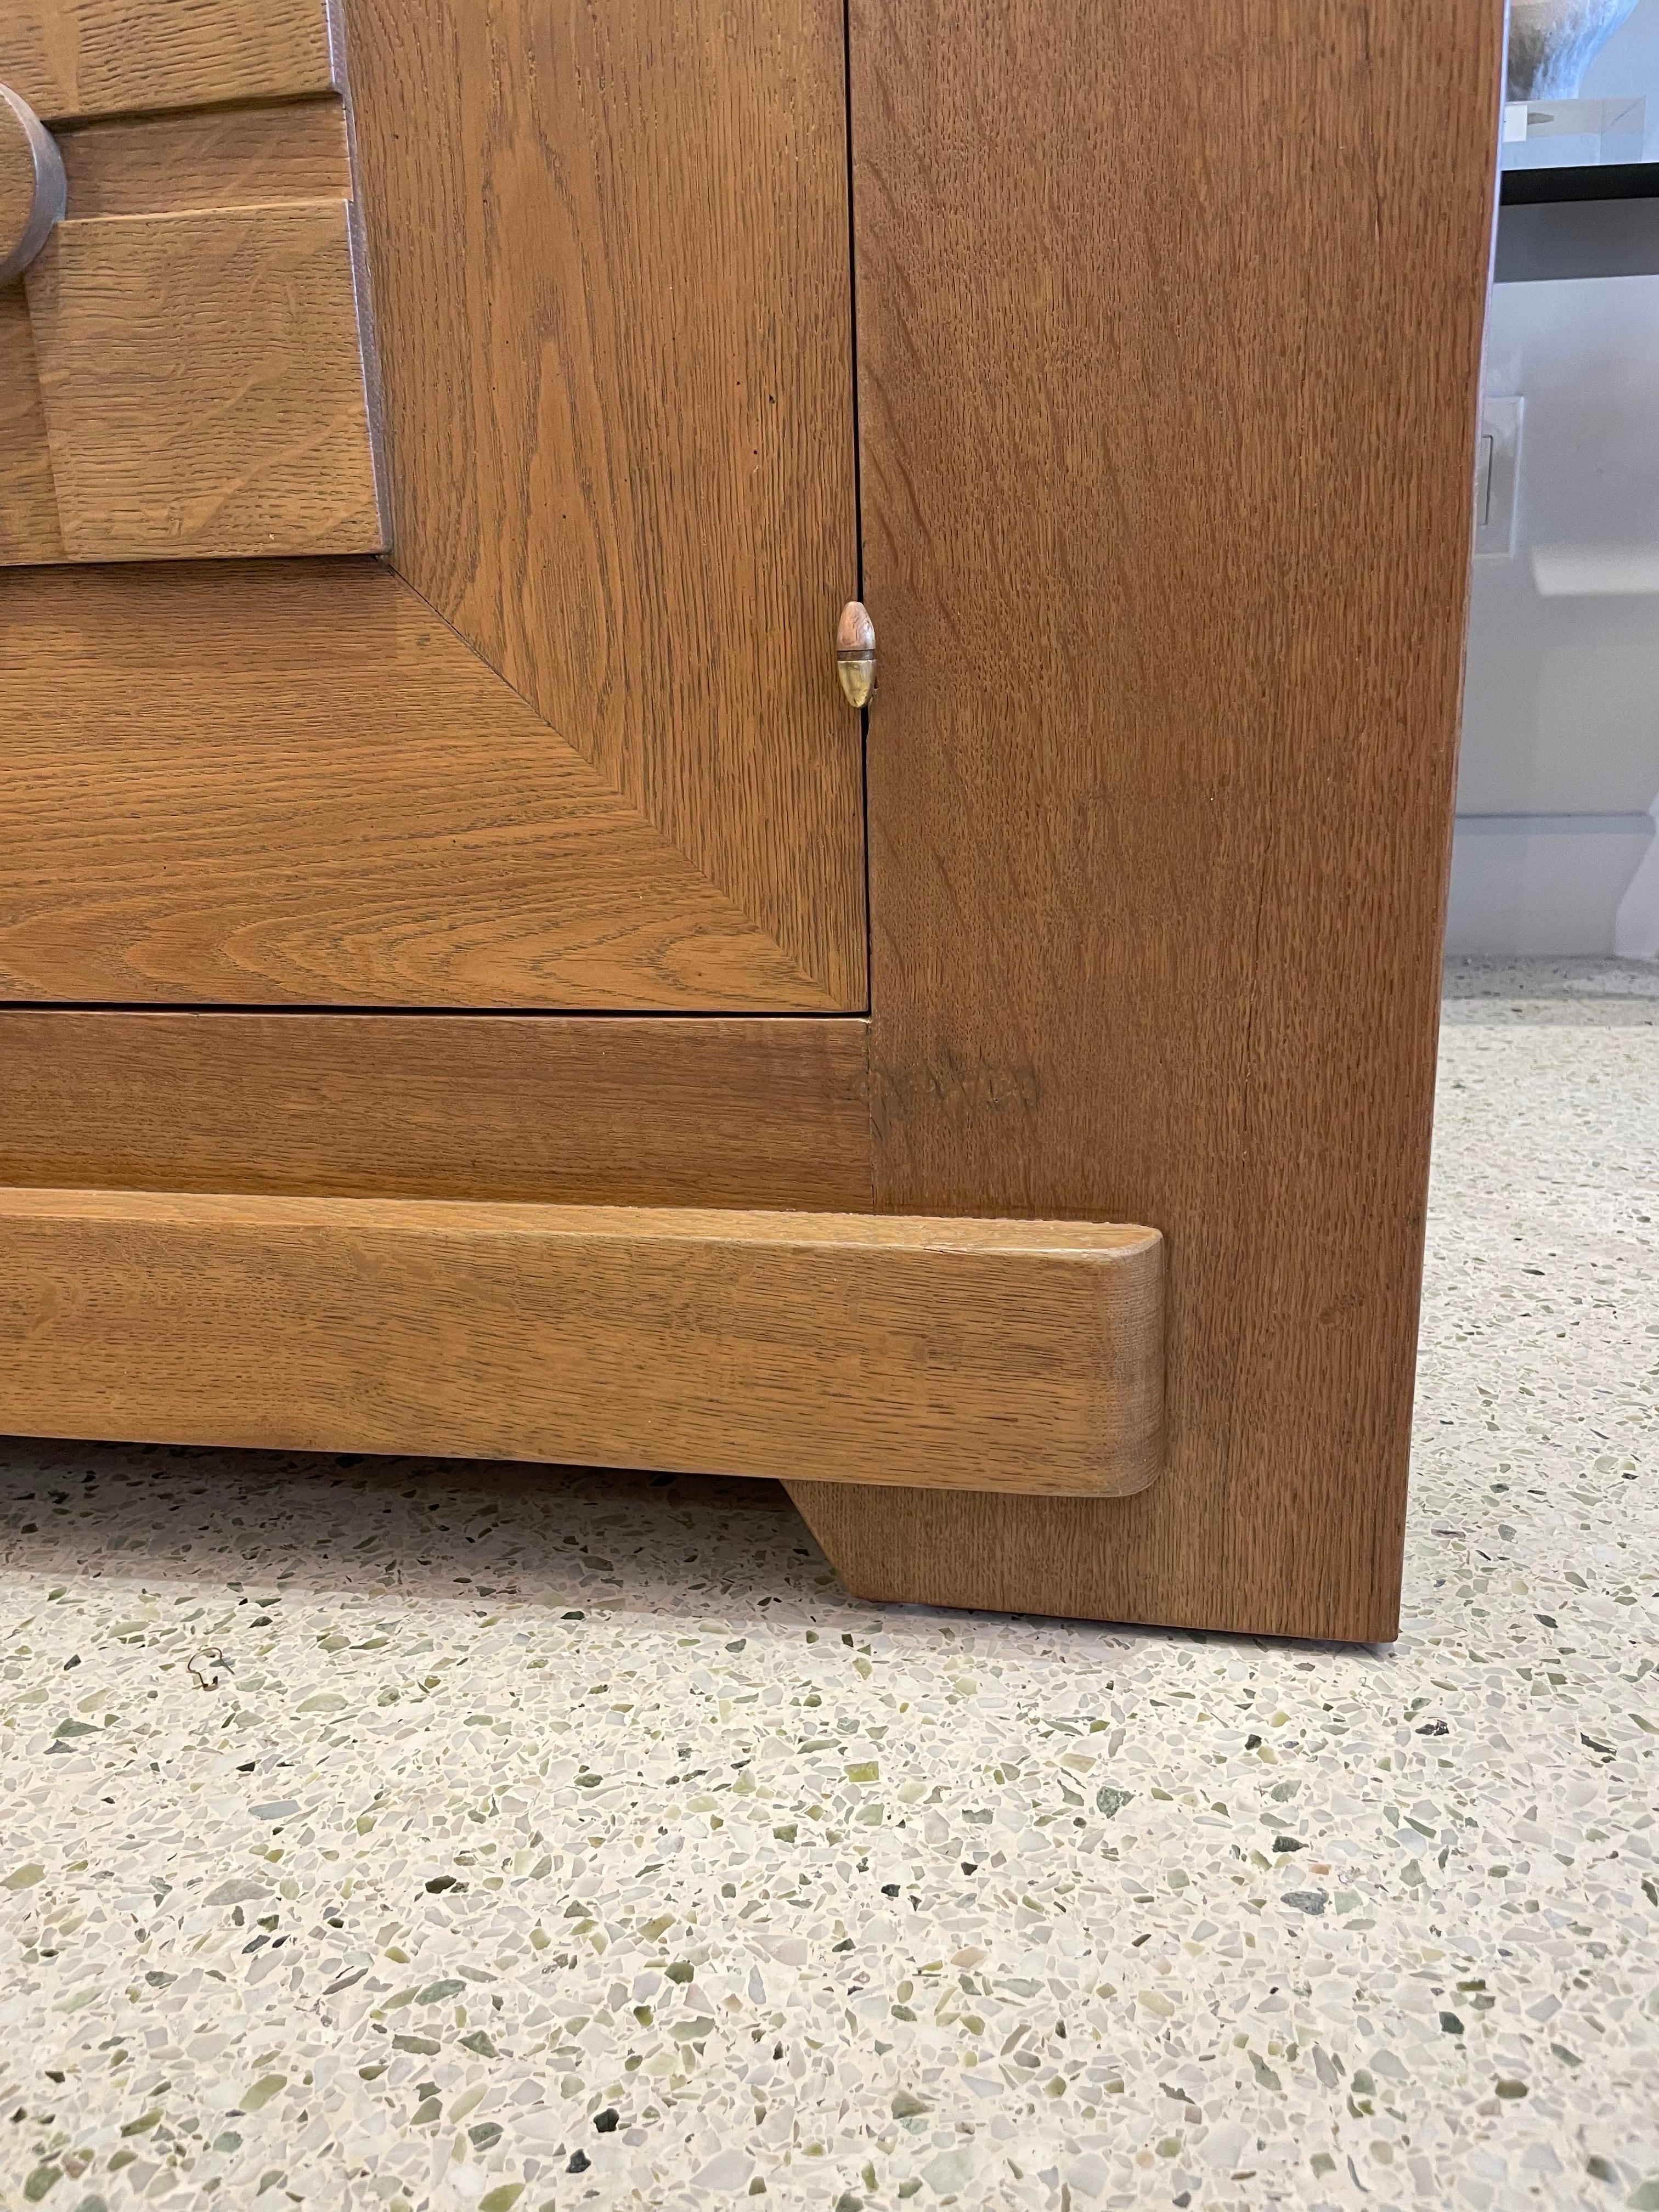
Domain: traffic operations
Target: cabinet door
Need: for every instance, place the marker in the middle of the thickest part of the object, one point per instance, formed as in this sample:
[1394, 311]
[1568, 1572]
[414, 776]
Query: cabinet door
[426, 500]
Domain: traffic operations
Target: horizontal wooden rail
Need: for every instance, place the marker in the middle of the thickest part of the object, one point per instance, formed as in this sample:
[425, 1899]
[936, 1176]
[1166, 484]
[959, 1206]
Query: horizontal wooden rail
[563, 1109]
[975, 1355]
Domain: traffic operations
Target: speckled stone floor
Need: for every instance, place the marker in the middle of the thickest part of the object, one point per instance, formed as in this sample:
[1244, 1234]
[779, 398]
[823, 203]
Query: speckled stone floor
[402, 1836]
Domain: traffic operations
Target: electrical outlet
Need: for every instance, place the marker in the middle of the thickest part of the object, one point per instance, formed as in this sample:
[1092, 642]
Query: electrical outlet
[1498, 478]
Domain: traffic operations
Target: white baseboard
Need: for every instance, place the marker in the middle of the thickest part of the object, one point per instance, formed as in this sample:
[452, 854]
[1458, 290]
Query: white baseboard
[1554, 884]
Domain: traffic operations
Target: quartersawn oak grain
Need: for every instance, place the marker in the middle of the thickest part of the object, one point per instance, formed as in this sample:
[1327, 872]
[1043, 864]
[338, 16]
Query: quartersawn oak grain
[1020, 1356]
[609, 248]
[202, 379]
[608, 1111]
[215, 157]
[163, 164]
[288, 783]
[1169, 336]
[73, 58]
[712, 537]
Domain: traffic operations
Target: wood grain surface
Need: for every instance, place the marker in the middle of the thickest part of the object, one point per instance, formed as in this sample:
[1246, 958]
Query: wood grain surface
[1020, 1356]
[19, 180]
[203, 382]
[28, 500]
[1169, 336]
[605, 1111]
[217, 157]
[288, 783]
[626, 428]
[69, 58]
[611, 267]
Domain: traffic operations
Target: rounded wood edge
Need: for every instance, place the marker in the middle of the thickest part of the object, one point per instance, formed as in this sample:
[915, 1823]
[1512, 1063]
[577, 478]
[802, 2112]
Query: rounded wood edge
[33, 189]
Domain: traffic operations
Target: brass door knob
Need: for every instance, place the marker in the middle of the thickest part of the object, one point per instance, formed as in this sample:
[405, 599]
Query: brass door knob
[855, 653]
[32, 188]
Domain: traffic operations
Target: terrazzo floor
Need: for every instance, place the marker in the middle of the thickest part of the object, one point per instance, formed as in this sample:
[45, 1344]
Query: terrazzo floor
[392, 1835]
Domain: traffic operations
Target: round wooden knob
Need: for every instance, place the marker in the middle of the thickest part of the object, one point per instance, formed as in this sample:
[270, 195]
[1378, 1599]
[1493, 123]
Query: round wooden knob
[31, 191]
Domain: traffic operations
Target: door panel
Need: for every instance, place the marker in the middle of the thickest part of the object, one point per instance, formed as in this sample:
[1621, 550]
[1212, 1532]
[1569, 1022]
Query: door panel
[610, 256]
[188, 821]
[578, 742]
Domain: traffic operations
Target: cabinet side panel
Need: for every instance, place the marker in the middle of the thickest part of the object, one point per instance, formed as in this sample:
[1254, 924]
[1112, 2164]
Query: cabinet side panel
[1169, 330]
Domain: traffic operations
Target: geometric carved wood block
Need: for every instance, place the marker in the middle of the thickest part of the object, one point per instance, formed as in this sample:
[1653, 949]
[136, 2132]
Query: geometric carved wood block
[73, 58]
[28, 508]
[202, 376]
[192, 387]
[213, 157]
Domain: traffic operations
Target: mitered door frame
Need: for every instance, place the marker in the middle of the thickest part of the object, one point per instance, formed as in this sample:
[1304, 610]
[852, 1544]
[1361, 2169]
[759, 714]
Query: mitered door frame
[575, 742]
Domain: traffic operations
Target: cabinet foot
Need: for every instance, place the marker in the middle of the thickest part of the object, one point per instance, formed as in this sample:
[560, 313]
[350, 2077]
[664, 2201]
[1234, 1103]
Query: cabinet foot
[1165, 1558]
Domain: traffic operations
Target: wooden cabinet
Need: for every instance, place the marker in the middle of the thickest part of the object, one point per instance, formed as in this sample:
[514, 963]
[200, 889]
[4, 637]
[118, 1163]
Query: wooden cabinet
[443, 883]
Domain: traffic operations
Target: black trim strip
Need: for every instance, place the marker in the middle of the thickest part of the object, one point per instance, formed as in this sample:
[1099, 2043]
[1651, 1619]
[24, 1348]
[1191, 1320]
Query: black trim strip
[1610, 180]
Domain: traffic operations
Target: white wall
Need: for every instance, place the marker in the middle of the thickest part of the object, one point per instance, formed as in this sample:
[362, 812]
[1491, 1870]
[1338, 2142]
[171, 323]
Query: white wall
[1629, 63]
[1559, 774]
